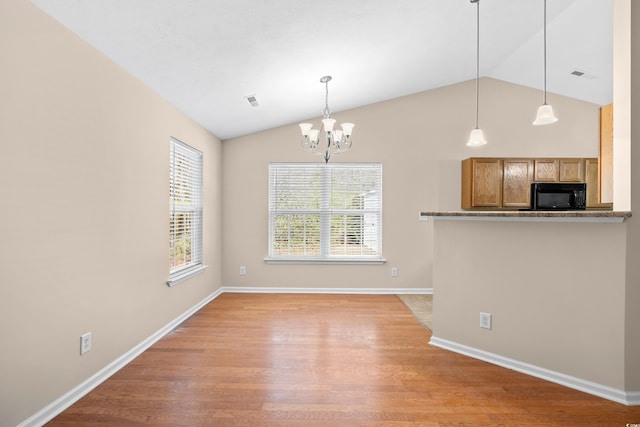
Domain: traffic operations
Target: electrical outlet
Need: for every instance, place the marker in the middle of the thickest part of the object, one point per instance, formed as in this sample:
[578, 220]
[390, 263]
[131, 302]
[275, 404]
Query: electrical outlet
[243, 270]
[394, 271]
[85, 343]
[485, 320]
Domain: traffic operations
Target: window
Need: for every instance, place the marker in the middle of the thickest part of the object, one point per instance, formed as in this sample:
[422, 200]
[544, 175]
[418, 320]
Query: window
[185, 211]
[325, 212]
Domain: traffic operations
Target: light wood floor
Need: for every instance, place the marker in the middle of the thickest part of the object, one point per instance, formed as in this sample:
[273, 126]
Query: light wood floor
[299, 360]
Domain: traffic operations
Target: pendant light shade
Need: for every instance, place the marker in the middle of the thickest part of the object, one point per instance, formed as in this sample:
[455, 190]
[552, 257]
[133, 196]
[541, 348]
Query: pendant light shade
[545, 114]
[476, 137]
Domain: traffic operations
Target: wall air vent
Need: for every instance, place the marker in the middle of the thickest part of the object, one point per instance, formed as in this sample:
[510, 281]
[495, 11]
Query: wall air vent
[251, 99]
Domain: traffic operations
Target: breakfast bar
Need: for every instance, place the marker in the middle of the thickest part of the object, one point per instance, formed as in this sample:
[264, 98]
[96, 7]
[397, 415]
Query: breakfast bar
[526, 215]
[552, 285]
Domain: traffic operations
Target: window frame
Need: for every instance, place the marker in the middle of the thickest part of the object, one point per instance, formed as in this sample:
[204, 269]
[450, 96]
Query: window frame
[194, 209]
[325, 211]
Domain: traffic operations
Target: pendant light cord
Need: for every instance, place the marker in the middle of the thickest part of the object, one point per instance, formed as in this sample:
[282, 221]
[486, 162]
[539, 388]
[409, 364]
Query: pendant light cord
[478, 62]
[545, 53]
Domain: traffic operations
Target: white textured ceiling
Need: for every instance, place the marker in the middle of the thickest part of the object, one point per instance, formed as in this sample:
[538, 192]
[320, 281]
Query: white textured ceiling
[205, 56]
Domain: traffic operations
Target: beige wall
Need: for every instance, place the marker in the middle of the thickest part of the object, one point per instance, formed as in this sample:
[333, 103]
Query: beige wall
[421, 140]
[555, 291]
[84, 167]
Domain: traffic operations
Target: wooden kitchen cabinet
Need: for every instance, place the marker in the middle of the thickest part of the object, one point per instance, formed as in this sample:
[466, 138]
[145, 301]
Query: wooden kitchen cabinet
[481, 183]
[505, 183]
[517, 176]
[606, 155]
[558, 170]
[571, 170]
[591, 177]
[496, 183]
[546, 170]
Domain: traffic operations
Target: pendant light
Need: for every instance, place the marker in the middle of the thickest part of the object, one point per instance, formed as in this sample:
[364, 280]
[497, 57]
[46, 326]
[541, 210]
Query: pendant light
[476, 138]
[545, 114]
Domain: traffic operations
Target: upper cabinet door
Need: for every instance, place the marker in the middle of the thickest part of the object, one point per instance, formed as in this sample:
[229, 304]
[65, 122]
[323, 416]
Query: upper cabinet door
[606, 154]
[591, 178]
[571, 170]
[487, 183]
[481, 183]
[516, 183]
[546, 170]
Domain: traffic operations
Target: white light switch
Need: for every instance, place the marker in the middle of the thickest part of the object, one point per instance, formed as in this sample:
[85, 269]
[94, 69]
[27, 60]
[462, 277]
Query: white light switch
[485, 320]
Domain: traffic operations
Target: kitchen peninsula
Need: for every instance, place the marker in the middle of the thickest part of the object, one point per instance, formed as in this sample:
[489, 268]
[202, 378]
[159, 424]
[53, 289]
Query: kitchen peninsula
[525, 215]
[552, 283]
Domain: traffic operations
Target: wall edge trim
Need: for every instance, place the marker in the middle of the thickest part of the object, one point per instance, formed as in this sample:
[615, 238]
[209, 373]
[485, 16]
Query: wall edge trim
[586, 386]
[56, 407]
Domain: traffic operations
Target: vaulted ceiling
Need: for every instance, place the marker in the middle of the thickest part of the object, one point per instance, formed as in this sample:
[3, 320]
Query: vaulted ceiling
[206, 56]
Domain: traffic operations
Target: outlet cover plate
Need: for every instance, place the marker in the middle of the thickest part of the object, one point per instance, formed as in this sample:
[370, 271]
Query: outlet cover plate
[85, 343]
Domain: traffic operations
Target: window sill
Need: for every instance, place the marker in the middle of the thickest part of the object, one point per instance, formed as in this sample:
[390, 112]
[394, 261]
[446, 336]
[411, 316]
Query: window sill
[185, 274]
[343, 261]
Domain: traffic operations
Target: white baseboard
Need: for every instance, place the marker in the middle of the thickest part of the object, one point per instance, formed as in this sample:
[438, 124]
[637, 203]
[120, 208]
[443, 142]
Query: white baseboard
[633, 398]
[362, 291]
[59, 405]
[626, 398]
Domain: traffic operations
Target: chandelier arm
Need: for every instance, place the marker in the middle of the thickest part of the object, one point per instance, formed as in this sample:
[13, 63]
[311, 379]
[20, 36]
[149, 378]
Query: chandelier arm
[327, 153]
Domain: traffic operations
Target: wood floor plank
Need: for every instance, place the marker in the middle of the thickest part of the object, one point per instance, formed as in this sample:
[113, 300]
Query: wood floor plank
[324, 360]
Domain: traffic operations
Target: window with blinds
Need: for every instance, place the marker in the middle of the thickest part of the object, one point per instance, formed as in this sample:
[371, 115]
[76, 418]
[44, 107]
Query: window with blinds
[325, 211]
[185, 211]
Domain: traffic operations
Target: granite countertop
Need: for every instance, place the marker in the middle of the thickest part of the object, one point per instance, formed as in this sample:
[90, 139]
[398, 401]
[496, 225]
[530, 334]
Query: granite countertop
[578, 216]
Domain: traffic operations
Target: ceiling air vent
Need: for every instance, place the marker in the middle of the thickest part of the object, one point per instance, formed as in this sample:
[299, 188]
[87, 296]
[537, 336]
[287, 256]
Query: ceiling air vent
[582, 74]
[251, 99]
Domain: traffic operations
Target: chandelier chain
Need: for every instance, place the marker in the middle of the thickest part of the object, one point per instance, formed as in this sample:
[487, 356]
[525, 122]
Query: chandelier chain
[327, 112]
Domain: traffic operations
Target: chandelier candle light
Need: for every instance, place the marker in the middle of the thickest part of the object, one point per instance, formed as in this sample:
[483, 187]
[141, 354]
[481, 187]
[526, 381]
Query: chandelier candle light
[335, 141]
[476, 138]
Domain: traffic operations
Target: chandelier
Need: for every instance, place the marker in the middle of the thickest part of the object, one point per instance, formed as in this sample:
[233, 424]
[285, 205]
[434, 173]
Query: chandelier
[335, 141]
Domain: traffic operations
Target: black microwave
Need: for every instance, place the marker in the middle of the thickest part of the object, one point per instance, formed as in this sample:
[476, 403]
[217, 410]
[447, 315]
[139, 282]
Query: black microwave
[561, 196]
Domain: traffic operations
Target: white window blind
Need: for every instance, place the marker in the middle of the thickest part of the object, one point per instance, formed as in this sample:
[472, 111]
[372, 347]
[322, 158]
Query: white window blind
[185, 211]
[325, 211]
